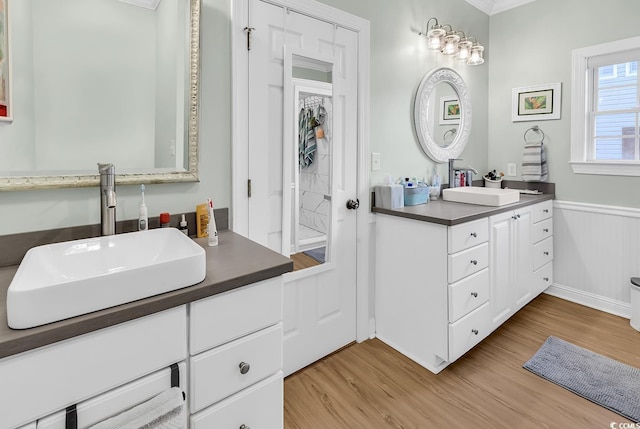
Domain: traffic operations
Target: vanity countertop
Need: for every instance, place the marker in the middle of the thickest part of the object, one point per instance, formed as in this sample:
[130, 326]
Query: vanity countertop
[235, 262]
[452, 213]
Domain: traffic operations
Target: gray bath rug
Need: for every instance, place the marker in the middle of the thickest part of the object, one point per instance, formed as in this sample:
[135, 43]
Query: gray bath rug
[601, 380]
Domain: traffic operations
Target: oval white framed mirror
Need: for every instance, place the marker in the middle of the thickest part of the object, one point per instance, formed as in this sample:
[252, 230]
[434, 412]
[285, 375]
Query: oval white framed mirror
[442, 114]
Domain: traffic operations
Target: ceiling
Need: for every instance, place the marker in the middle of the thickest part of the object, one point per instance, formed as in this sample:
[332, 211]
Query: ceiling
[491, 7]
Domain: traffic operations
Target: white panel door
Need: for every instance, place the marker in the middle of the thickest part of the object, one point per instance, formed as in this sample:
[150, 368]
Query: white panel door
[319, 302]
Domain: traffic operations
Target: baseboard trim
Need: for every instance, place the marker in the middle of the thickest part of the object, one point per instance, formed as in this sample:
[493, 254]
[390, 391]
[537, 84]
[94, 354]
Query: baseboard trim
[608, 305]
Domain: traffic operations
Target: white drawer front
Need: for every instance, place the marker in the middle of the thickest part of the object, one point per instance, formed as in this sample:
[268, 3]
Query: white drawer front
[542, 210]
[230, 315]
[468, 262]
[469, 331]
[260, 407]
[542, 230]
[216, 374]
[468, 294]
[542, 278]
[29, 426]
[116, 401]
[468, 234]
[542, 252]
[36, 383]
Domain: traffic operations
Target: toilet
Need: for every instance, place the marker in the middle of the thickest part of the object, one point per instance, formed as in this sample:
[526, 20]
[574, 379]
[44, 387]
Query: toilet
[635, 303]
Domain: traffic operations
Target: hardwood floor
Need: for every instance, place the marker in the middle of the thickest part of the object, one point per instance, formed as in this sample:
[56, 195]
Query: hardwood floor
[302, 261]
[370, 385]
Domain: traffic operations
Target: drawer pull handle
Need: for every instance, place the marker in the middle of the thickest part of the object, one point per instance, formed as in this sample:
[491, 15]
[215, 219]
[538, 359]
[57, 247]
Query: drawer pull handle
[475, 331]
[545, 230]
[244, 427]
[546, 279]
[545, 211]
[474, 235]
[474, 262]
[474, 294]
[546, 253]
[244, 367]
[518, 216]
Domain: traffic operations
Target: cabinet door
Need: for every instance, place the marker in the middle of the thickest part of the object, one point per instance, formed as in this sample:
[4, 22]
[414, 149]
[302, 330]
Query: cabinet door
[523, 257]
[500, 257]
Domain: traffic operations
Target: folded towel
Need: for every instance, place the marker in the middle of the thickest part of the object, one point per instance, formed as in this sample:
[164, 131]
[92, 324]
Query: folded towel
[534, 163]
[164, 411]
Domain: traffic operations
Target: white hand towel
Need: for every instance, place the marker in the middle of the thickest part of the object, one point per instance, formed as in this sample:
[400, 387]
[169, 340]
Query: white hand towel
[164, 411]
[534, 162]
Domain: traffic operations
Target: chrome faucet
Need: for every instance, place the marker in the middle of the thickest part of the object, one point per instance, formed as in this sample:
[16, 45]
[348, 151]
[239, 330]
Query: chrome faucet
[468, 172]
[107, 199]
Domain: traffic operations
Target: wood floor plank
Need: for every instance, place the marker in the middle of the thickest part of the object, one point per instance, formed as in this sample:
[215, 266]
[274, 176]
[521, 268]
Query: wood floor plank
[370, 385]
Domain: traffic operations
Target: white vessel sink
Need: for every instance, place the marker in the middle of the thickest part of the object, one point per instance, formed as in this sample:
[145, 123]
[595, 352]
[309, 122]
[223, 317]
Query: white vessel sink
[63, 280]
[481, 196]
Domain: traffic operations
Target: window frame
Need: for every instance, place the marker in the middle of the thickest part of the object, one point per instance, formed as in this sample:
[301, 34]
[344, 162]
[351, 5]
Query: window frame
[581, 86]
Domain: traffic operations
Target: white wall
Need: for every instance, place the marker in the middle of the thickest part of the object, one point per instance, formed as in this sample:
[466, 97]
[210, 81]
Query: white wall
[596, 218]
[399, 61]
[40, 210]
[532, 45]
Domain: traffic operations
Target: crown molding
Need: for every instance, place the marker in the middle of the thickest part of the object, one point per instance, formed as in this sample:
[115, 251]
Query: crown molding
[491, 7]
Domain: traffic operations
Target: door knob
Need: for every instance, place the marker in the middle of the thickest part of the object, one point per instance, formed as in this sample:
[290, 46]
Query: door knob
[244, 367]
[353, 205]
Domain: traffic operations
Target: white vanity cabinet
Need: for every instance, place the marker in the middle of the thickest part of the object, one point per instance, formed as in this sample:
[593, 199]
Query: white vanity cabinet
[432, 288]
[236, 358]
[511, 263]
[441, 289]
[521, 246]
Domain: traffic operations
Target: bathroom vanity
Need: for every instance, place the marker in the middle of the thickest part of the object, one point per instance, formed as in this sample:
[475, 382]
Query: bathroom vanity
[219, 340]
[448, 274]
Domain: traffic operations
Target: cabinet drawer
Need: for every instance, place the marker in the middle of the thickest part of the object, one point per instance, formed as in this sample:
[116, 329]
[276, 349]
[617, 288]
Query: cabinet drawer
[468, 262]
[259, 406]
[542, 211]
[542, 230]
[542, 278]
[217, 373]
[468, 294]
[542, 252]
[469, 331]
[98, 361]
[116, 401]
[230, 315]
[467, 235]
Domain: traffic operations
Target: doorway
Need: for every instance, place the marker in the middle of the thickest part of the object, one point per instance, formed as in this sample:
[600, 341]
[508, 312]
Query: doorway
[327, 305]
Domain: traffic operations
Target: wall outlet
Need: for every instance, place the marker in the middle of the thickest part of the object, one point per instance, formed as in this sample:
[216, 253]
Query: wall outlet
[375, 161]
[512, 169]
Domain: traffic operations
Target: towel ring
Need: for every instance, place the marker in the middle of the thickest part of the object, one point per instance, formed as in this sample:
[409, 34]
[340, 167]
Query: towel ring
[448, 136]
[536, 129]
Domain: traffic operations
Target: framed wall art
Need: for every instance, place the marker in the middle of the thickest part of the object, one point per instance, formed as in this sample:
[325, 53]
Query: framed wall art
[536, 103]
[449, 110]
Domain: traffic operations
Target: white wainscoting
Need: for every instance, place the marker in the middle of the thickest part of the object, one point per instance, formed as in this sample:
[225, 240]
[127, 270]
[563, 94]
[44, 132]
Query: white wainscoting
[596, 252]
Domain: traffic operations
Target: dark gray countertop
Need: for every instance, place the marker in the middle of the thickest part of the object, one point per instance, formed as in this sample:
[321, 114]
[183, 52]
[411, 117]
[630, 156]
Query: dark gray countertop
[235, 262]
[450, 213]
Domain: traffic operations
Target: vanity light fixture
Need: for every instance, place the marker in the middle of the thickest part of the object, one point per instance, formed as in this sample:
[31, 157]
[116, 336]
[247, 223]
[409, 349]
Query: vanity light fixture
[453, 43]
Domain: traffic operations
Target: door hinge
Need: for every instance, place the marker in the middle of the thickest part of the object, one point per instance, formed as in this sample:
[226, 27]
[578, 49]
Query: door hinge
[248, 30]
[249, 188]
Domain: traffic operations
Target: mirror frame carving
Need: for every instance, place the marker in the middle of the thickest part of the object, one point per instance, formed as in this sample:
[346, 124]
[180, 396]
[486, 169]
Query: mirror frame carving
[20, 183]
[427, 87]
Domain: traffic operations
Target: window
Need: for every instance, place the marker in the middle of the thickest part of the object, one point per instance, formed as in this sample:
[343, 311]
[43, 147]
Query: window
[605, 109]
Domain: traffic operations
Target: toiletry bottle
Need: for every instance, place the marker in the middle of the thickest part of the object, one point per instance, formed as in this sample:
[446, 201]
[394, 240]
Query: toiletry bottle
[165, 218]
[212, 229]
[183, 226]
[202, 220]
[143, 218]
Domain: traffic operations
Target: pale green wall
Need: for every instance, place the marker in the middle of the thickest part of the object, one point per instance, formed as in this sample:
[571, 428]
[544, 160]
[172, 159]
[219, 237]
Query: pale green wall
[532, 45]
[41, 210]
[399, 60]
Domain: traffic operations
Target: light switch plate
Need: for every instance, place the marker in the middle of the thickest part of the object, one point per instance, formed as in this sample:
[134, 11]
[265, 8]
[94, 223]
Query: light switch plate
[512, 169]
[375, 161]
